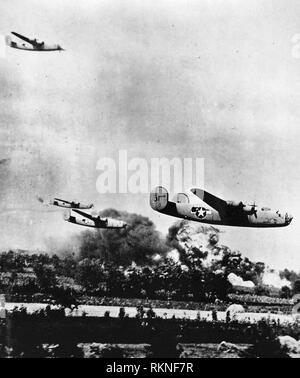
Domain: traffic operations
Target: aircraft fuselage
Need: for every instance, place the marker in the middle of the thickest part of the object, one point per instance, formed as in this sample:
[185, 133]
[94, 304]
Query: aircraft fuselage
[159, 201]
[70, 205]
[96, 222]
[23, 46]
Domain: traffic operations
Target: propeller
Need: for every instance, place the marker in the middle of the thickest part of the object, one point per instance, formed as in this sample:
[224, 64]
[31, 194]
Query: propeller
[253, 208]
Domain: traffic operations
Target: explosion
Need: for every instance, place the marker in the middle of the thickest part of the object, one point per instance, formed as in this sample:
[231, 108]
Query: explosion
[272, 278]
[190, 240]
[189, 245]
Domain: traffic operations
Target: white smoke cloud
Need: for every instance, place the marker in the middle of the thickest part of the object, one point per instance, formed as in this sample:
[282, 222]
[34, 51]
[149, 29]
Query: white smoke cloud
[272, 278]
[238, 281]
[174, 255]
[156, 257]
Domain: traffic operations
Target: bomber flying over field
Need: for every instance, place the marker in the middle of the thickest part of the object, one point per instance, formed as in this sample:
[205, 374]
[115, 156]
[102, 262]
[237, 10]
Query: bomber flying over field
[31, 44]
[220, 212]
[90, 220]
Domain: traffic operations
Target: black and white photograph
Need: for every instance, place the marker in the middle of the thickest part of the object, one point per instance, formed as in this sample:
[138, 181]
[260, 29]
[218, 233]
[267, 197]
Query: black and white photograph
[149, 181]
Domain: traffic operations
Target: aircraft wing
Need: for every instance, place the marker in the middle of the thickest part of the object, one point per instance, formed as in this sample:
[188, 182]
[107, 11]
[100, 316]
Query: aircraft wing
[86, 215]
[213, 201]
[58, 199]
[32, 42]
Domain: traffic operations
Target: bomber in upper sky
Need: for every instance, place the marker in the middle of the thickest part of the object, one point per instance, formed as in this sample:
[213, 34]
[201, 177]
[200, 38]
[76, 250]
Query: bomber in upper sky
[66, 204]
[31, 44]
[84, 219]
[70, 205]
[226, 213]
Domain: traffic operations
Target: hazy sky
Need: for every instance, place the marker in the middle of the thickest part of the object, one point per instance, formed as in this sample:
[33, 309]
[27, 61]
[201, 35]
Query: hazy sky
[208, 79]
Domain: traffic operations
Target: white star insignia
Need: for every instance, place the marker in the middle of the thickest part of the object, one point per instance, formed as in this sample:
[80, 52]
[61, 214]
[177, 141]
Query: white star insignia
[200, 212]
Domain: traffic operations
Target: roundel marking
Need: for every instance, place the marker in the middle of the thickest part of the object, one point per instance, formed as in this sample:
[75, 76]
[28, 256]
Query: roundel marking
[200, 212]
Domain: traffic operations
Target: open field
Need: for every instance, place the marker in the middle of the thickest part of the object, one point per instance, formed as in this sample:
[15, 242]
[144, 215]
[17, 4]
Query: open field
[36, 330]
[99, 311]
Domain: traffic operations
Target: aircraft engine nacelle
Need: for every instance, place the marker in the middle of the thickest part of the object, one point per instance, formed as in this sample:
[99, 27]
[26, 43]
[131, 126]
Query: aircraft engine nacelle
[235, 204]
[248, 209]
[159, 198]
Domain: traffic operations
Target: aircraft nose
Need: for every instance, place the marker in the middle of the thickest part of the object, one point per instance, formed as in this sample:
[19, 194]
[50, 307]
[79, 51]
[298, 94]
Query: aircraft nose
[288, 218]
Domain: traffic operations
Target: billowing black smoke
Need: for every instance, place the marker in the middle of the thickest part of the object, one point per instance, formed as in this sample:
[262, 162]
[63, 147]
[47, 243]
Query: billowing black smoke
[191, 247]
[138, 242]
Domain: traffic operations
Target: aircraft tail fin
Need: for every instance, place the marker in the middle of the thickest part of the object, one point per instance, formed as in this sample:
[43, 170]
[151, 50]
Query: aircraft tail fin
[7, 40]
[67, 215]
[159, 198]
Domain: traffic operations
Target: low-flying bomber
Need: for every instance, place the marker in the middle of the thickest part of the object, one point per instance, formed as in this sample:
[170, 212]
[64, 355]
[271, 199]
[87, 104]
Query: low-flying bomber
[31, 44]
[220, 212]
[70, 205]
[90, 220]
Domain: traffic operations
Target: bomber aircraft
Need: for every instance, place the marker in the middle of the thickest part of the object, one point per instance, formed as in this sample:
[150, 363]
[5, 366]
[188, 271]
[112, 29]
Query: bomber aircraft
[70, 205]
[220, 212]
[90, 220]
[31, 44]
